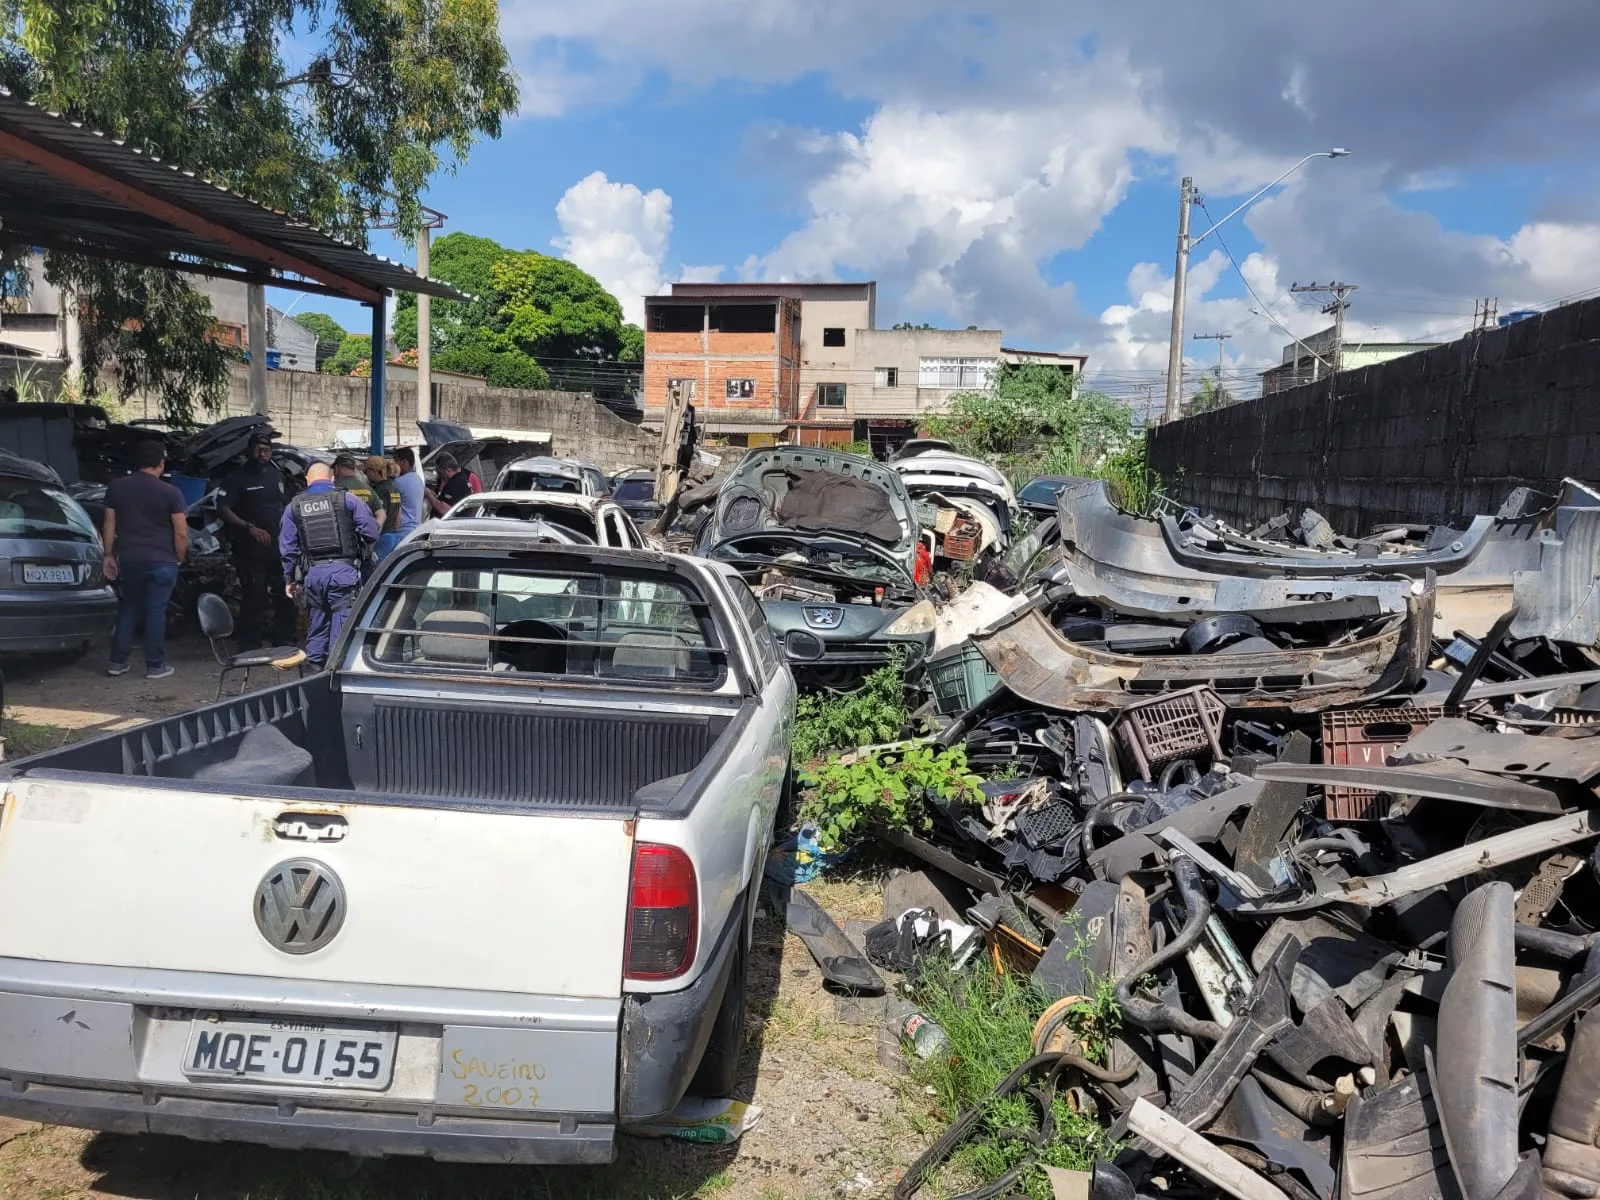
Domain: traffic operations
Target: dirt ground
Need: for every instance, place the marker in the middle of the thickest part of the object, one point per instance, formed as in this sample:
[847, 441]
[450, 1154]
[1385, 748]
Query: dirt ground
[834, 1122]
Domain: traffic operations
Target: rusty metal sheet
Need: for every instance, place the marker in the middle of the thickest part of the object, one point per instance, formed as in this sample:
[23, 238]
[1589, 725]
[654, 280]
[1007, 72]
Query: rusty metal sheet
[1039, 664]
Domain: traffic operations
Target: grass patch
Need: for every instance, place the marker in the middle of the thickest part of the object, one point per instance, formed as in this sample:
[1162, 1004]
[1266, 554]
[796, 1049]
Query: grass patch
[23, 739]
[989, 1019]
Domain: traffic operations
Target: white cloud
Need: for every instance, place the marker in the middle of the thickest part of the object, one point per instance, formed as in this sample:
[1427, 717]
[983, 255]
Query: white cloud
[619, 235]
[1002, 134]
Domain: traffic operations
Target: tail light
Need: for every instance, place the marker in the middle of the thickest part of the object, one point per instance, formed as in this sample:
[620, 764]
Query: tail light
[663, 913]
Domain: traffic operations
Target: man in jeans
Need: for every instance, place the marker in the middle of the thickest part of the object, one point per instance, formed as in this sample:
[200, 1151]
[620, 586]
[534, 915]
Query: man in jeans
[146, 536]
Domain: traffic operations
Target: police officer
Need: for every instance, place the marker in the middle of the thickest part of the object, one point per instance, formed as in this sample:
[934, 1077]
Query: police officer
[324, 537]
[251, 507]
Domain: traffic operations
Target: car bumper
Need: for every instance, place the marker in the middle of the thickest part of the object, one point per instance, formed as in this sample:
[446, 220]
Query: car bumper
[101, 1048]
[35, 623]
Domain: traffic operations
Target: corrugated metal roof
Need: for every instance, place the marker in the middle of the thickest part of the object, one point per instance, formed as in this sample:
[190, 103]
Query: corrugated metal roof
[67, 187]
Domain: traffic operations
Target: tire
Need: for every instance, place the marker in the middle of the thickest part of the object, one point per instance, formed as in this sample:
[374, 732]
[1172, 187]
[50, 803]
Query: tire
[718, 1073]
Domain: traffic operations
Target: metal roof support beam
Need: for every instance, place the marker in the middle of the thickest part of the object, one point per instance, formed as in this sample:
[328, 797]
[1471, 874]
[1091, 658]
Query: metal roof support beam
[132, 197]
[378, 362]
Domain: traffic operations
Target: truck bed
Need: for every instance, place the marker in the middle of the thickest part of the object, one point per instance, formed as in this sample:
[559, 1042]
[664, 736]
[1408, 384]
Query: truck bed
[471, 749]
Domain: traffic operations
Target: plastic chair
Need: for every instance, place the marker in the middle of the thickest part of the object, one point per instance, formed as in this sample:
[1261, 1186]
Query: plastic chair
[216, 622]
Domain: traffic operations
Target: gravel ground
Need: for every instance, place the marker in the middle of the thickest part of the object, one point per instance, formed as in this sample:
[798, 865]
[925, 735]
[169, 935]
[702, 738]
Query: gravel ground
[834, 1122]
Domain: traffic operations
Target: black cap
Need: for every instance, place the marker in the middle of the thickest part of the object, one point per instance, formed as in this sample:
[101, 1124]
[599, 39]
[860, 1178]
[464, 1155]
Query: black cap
[260, 439]
[345, 462]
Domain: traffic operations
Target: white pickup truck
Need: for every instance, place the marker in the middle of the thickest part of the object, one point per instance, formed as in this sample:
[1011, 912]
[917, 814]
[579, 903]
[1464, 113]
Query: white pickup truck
[483, 891]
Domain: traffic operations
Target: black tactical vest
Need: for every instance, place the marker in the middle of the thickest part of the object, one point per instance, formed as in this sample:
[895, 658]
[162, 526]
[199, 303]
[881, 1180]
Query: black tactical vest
[327, 530]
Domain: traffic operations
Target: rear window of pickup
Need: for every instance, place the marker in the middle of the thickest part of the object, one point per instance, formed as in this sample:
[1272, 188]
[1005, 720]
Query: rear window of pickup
[499, 617]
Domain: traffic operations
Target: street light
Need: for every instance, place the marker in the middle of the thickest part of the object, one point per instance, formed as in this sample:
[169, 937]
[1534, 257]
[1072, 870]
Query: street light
[1180, 274]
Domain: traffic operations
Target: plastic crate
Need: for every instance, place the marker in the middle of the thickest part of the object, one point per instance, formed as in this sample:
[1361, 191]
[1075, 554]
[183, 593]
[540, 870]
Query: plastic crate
[1363, 737]
[960, 678]
[1163, 729]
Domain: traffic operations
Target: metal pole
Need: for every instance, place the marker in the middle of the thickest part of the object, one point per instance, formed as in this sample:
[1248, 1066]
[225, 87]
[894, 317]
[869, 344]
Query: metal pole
[256, 331]
[379, 359]
[424, 333]
[1180, 280]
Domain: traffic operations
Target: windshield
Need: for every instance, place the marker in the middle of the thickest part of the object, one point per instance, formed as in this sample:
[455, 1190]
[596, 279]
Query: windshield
[1042, 491]
[822, 555]
[571, 519]
[633, 490]
[538, 481]
[37, 510]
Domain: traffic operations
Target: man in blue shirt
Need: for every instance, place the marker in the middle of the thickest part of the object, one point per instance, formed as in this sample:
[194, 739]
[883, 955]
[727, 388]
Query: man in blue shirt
[410, 486]
[325, 535]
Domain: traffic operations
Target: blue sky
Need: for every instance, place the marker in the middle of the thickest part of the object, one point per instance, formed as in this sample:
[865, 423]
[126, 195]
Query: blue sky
[1016, 163]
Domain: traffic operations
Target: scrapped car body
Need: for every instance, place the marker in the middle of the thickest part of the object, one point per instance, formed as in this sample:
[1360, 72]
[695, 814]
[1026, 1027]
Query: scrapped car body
[635, 490]
[588, 520]
[1041, 665]
[543, 473]
[964, 505]
[54, 597]
[1039, 494]
[1541, 560]
[483, 891]
[827, 541]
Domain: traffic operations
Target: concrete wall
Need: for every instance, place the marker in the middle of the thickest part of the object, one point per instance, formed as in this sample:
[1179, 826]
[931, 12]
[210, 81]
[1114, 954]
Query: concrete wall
[905, 349]
[1435, 436]
[311, 410]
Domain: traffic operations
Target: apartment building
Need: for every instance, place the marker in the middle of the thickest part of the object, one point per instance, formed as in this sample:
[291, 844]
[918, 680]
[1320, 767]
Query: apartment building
[737, 358]
[852, 381]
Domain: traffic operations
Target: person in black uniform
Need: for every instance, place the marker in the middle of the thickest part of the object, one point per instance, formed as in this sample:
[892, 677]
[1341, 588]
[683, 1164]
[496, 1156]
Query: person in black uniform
[252, 504]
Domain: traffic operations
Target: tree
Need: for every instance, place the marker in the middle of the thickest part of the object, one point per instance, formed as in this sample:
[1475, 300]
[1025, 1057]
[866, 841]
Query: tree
[354, 351]
[379, 95]
[525, 307]
[909, 325]
[556, 310]
[1036, 421]
[1211, 395]
[632, 344]
[329, 334]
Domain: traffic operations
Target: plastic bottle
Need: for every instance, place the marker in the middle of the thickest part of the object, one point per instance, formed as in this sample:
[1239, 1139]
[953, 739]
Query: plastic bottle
[927, 1036]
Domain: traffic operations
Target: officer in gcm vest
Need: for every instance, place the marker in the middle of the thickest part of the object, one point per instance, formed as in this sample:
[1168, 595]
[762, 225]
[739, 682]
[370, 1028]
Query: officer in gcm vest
[324, 537]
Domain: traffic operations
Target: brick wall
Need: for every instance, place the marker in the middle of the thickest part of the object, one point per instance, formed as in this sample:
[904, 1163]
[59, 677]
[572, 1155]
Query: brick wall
[1435, 436]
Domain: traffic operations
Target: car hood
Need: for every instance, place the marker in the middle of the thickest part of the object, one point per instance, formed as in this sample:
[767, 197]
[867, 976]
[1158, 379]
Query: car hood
[216, 444]
[809, 491]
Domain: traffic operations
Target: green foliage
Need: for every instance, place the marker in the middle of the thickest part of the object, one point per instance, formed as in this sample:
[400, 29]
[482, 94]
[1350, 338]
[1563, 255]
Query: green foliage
[864, 449]
[355, 350]
[909, 325]
[886, 789]
[486, 356]
[329, 333]
[330, 110]
[525, 306]
[989, 1019]
[1037, 421]
[154, 327]
[1127, 474]
[827, 722]
[555, 309]
[1211, 395]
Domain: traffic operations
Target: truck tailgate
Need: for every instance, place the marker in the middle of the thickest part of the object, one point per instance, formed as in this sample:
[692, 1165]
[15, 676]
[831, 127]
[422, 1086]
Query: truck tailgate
[148, 877]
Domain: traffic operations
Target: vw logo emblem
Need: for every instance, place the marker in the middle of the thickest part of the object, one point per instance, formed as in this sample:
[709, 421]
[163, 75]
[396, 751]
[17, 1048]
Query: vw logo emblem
[822, 617]
[299, 906]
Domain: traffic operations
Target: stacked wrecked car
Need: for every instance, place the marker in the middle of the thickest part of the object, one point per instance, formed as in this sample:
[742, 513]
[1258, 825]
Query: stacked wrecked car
[1322, 811]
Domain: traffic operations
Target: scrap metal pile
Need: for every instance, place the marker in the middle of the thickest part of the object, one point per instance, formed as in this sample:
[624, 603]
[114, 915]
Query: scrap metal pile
[1323, 811]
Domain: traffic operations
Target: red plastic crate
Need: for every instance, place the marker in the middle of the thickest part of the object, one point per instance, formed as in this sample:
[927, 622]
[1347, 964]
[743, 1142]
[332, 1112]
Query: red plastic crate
[1363, 737]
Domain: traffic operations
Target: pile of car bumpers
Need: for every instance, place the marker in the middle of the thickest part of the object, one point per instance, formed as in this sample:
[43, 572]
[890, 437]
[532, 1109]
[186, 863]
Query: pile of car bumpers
[1322, 813]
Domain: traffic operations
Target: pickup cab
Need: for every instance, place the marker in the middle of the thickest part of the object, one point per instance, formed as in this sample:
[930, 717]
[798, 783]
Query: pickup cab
[481, 891]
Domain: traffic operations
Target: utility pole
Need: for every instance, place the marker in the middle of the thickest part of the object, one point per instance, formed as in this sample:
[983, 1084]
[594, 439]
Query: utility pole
[1180, 281]
[1219, 338]
[431, 219]
[1336, 306]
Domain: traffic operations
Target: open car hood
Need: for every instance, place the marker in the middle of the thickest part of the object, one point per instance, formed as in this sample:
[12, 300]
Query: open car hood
[787, 489]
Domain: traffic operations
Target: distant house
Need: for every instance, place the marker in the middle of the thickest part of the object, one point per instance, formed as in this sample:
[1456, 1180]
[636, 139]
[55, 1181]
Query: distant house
[1310, 360]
